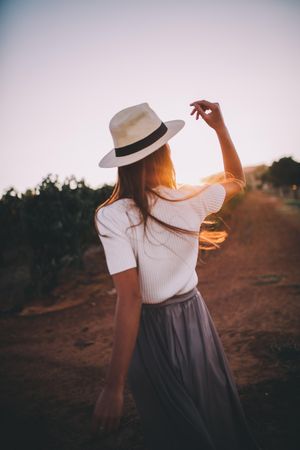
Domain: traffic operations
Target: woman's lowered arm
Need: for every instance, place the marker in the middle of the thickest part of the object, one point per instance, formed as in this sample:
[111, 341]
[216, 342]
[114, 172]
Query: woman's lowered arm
[108, 408]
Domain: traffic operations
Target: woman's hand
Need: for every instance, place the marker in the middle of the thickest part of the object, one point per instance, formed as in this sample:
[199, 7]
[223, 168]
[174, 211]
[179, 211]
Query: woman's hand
[213, 118]
[108, 410]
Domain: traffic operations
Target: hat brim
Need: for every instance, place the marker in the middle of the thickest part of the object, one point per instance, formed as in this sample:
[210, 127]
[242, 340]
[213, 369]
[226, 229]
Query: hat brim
[111, 160]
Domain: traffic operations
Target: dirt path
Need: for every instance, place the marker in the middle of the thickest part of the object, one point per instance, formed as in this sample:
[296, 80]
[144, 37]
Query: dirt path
[52, 364]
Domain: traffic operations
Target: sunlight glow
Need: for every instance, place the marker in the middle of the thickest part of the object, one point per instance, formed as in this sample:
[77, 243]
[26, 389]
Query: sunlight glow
[69, 66]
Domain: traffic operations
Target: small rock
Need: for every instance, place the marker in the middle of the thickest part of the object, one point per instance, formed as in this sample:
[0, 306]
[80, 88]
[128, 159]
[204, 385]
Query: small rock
[81, 343]
[113, 291]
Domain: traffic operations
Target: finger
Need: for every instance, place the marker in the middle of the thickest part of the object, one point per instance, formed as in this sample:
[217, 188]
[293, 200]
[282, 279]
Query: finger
[98, 425]
[197, 102]
[209, 105]
[196, 107]
[112, 424]
[106, 423]
[200, 111]
[109, 424]
[206, 103]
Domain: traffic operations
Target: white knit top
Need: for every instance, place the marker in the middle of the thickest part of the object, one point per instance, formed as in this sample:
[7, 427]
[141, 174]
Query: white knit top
[166, 261]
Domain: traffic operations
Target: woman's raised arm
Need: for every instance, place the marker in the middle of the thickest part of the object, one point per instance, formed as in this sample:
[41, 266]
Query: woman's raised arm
[232, 164]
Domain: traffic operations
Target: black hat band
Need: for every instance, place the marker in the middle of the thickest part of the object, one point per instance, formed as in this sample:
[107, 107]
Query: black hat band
[145, 142]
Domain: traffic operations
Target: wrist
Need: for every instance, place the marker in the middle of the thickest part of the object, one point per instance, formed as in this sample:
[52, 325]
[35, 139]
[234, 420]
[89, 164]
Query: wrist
[114, 385]
[221, 130]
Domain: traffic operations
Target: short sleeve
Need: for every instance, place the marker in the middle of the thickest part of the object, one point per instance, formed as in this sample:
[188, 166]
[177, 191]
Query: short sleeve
[213, 198]
[209, 198]
[111, 225]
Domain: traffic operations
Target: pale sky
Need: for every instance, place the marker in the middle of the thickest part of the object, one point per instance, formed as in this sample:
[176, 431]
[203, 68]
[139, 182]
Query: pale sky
[67, 66]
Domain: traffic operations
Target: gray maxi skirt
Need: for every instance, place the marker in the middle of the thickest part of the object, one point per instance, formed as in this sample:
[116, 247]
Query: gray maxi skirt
[181, 382]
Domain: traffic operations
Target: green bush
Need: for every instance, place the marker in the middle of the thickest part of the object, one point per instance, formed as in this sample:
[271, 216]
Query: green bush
[54, 222]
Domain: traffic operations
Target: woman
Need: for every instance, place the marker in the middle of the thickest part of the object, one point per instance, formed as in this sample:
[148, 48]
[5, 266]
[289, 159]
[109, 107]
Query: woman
[165, 342]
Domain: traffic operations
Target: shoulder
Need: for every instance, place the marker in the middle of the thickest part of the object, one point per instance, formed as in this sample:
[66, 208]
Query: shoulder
[113, 215]
[112, 210]
[208, 197]
[205, 189]
[109, 211]
[214, 189]
[196, 188]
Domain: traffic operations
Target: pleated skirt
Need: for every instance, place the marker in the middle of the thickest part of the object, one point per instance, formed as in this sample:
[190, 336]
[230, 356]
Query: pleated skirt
[181, 381]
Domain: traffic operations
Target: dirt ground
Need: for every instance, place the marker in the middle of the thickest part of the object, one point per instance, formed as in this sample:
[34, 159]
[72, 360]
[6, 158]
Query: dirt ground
[54, 357]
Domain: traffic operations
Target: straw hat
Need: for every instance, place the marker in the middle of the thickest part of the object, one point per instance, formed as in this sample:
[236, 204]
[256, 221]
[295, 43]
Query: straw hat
[137, 131]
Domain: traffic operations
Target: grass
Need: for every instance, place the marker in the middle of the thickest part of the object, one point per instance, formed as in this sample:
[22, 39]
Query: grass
[292, 202]
[267, 279]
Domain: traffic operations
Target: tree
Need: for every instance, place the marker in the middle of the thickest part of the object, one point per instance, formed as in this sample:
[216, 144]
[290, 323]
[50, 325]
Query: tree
[285, 172]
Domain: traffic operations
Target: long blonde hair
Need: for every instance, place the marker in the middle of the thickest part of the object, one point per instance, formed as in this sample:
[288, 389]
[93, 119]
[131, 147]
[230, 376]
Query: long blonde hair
[137, 180]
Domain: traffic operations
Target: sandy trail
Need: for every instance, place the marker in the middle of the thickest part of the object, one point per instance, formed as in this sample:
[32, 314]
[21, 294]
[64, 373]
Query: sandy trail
[54, 358]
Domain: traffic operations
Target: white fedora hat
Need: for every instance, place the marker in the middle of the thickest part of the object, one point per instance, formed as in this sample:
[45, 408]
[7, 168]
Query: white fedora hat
[137, 131]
